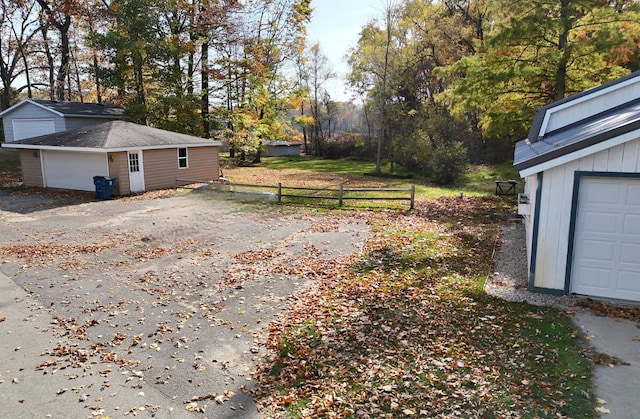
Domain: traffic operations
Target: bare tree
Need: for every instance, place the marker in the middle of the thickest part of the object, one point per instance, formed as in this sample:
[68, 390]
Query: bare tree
[19, 25]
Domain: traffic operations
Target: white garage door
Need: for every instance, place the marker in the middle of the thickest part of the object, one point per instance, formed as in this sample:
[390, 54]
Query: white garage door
[73, 170]
[27, 128]
[606, 261]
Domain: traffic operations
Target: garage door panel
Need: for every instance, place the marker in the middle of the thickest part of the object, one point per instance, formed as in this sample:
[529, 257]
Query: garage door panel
[599, 250]
[630, 253]
[73, 170]
[633, 195]
[606, 259]
[629, 281]
[593, 277]
[601, 192]
[631, 224]
[600, 222]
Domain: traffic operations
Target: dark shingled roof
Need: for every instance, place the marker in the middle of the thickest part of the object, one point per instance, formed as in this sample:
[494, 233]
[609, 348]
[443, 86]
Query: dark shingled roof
[114, 135]
[82, 109]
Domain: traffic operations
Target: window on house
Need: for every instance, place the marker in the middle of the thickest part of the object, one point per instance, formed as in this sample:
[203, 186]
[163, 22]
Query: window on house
[182, 158]
[134, 163]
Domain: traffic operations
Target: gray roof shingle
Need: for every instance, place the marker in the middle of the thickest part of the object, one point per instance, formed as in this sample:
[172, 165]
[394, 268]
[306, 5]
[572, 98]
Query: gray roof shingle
[114, 135]
[83, 109]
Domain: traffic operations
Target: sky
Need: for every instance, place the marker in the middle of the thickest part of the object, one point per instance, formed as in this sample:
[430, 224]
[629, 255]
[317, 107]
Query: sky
[336, 24]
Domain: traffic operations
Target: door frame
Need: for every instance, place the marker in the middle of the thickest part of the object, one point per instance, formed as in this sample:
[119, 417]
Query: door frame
[574, 215]
[136, 178]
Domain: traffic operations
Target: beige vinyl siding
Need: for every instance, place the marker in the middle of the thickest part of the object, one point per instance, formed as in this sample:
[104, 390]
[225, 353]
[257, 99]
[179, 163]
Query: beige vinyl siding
[119, 168]
[161, 166]
[555, 207]
[31, 168]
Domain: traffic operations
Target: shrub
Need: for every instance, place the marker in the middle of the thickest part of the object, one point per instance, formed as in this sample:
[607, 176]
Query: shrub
[447, 162]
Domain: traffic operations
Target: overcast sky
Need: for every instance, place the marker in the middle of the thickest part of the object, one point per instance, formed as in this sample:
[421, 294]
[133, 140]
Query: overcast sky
[336, 24]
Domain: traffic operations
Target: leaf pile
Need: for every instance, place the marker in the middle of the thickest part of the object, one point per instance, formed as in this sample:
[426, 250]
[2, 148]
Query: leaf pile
[609, 310]
[406, 330]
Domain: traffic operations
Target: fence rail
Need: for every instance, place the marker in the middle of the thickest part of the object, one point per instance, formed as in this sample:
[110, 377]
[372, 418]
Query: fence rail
[340, 193]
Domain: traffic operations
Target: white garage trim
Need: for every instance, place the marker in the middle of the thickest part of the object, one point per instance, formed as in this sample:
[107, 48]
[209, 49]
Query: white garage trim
[72, 169]
[27, 128]
[603, 258]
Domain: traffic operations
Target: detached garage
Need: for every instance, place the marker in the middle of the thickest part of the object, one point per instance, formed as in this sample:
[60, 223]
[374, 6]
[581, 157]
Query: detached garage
[581, 206]
[141, 158]
[35, 117]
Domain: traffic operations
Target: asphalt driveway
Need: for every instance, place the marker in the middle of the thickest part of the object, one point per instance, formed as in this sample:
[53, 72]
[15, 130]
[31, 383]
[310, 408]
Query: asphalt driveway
[147, 307]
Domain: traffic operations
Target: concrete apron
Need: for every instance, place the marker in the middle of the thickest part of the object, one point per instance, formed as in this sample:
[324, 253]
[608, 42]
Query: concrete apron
[619, 385]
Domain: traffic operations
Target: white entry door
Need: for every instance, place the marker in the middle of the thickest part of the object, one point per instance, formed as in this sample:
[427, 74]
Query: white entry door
[606, 257]
[136, 171]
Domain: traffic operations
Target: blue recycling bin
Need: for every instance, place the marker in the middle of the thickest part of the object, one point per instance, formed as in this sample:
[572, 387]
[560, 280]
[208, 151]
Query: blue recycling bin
[104, 187]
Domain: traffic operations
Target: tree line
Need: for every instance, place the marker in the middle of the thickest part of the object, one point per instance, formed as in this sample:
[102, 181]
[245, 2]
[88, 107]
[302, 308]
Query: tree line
[436, 81]
[447, 79]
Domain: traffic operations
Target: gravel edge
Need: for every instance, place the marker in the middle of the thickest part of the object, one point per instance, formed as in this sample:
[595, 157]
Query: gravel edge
[508, 279]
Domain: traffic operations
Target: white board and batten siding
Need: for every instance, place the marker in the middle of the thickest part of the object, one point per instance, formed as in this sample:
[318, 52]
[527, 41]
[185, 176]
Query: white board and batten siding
[590, 105]
[556, 203]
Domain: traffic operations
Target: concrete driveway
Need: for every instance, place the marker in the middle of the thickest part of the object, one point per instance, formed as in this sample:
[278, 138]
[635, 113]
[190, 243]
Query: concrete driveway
[616, 385]
[147, 308]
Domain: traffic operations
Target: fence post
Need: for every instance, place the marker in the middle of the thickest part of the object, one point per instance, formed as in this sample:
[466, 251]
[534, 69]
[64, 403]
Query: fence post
[279, 193]
[413, 196]
[341, 195]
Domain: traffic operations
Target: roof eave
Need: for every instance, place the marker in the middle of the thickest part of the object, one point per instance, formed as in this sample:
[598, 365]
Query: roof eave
[106, 149]
[538, 119]
[578, 150]
[24, 102]
[74, 115]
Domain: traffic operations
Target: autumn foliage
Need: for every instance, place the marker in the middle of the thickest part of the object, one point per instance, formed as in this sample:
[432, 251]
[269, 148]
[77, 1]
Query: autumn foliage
[404, 329]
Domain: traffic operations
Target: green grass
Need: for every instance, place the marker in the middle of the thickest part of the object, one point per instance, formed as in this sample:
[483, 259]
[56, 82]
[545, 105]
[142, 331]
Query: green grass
[408, 330]
[312, 164]
[478, 180]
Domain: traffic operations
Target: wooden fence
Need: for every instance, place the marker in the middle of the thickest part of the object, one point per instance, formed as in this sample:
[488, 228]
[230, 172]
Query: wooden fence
[339, 194]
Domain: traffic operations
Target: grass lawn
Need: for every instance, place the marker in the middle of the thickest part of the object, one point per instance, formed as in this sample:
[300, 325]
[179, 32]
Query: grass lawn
[406, 329]
[320, 173]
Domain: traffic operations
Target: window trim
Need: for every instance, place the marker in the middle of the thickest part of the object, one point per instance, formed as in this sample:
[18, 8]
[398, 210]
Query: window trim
[184, 158]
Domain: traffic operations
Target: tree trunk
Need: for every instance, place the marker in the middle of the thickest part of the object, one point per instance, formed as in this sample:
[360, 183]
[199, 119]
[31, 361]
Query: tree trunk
[96, 71]
[560, 85]
[50, 63]
[204, 109]
[383, 108]
[63, 71]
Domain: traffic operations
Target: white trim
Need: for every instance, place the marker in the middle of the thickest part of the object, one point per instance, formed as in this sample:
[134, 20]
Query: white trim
[186, 157]
[107, 150]
[17, 105]
[570, 103]
[621, 139]
[136, 179]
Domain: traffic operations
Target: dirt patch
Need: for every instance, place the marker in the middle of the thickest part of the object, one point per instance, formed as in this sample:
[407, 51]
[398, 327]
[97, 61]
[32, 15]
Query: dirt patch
[177, 289]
